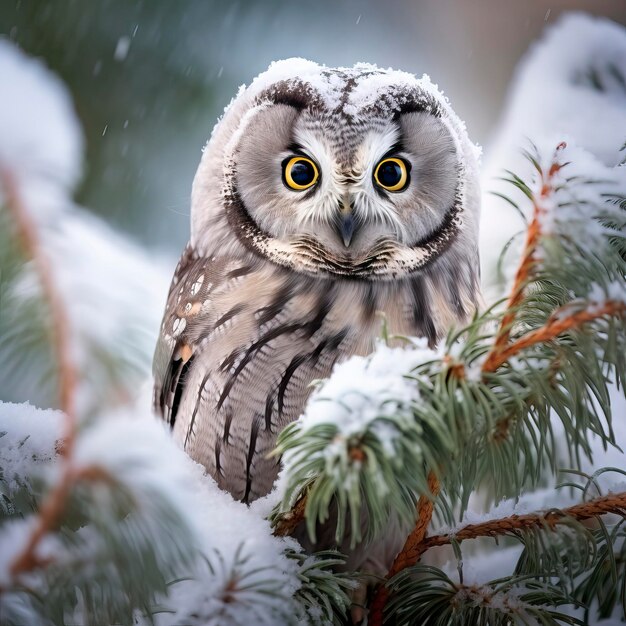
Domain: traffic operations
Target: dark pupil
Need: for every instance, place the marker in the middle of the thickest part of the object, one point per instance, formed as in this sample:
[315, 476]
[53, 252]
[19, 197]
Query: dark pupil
[389, 174]
[302, 173]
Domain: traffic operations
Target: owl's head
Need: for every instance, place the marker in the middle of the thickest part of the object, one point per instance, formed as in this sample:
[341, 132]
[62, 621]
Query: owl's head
[358, 172]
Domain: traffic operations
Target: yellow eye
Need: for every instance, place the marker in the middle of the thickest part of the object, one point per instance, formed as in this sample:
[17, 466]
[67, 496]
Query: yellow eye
[392, 174]
[299, 173]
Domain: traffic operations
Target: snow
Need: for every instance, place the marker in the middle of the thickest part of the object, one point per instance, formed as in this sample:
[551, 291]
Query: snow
[13, 539]
[113, 291]
[135, 449]
[41, 143]
[569, 210]
[360, 388]
[614, 291]
[329, 85]
[111, 310]
[121, 48]
[551, 101]
[508, 601]
[27, 439]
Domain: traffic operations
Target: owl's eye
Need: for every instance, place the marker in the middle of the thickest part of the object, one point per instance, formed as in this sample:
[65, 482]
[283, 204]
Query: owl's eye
[299, 173]
[392, 174]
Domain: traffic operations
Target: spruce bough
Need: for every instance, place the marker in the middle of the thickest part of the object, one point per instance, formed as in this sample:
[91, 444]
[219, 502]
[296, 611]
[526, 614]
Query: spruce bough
[488, 402]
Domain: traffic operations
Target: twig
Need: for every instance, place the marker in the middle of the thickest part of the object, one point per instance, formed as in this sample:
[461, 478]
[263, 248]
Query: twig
[526, 264]
[551, 330]
[50, 514]
[53, 506]
[612, 503]
[59, 324]
[407, 556]
[288, 522]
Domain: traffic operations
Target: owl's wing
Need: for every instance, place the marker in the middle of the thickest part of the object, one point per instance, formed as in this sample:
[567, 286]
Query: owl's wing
[179, 333]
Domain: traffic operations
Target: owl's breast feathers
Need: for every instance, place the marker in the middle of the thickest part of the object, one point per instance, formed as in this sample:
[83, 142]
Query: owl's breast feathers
[242, 340]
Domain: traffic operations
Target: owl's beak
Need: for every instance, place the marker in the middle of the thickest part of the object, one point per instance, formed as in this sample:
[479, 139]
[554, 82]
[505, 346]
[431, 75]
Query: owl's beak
[346, 224]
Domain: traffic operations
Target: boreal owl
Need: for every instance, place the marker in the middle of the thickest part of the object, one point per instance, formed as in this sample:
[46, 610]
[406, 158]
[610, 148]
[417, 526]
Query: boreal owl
[324, 196]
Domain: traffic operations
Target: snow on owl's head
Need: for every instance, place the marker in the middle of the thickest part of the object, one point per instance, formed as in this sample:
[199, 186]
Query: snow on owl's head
[359, 172]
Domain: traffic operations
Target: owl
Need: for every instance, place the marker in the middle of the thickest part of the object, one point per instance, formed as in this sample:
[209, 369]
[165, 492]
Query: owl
[324, 197]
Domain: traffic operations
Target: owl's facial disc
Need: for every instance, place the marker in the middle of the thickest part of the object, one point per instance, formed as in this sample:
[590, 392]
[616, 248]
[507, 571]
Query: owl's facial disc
[311, 184]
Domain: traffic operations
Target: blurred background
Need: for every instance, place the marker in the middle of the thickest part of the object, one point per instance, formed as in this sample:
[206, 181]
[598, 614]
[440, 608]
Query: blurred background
[149, 78]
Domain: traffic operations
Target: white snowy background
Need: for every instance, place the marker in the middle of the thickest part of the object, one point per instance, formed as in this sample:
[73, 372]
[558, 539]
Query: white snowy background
[115, 292]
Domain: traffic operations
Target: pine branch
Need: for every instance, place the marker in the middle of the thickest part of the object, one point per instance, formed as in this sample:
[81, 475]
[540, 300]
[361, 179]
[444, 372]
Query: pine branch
[499, 354]
[53, 506]
[612, 503]
[59, 324]
[527, 260]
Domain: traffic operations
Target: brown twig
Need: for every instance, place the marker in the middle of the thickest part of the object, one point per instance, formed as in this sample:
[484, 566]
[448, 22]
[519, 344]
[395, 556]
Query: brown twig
[287, 523]
[554, 328]
[53, 505]
[51, 512]
[407, 556]
[59, 324]
[526, 265]
[612, 503]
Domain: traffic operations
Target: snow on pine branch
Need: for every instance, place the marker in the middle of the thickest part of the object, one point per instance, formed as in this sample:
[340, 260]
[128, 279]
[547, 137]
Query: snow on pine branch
[137, 496]
[112, 291]
[568, 87]
[142, 499]
[382, 422]
[358, 430]
[40, 141]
